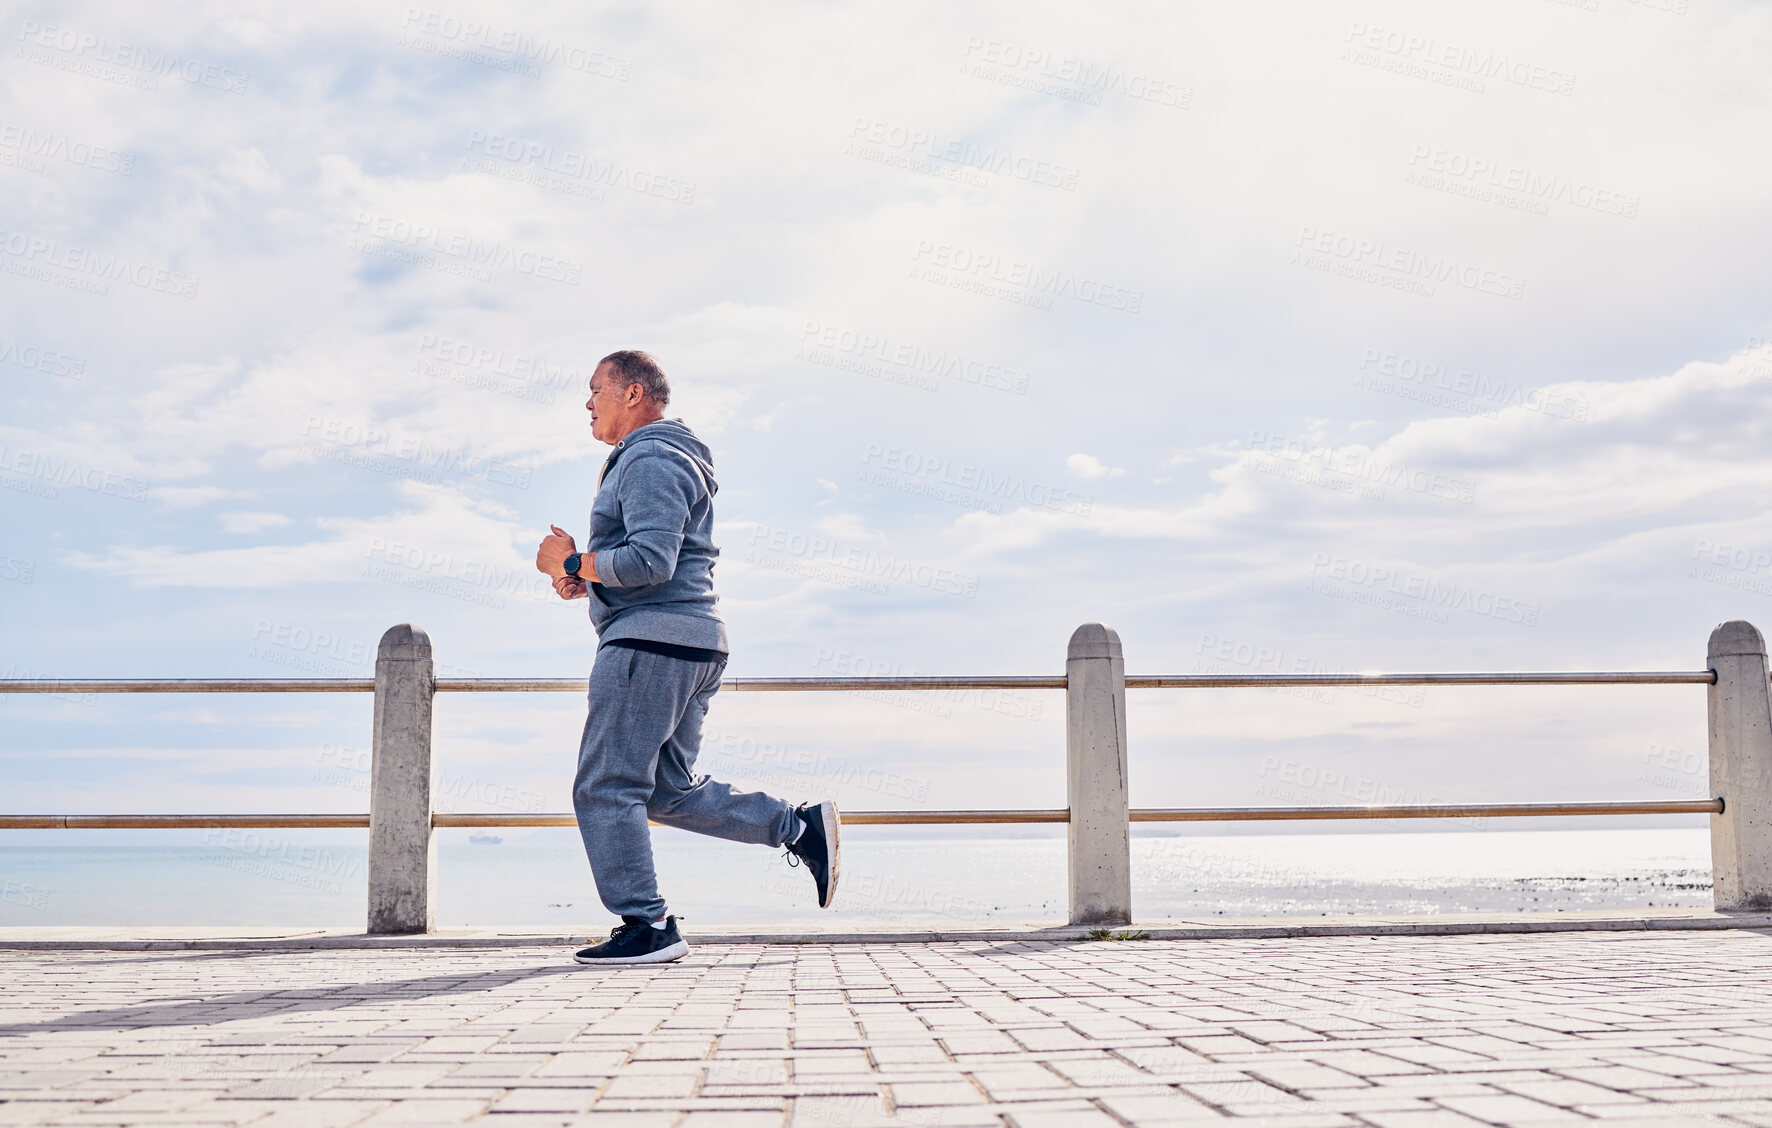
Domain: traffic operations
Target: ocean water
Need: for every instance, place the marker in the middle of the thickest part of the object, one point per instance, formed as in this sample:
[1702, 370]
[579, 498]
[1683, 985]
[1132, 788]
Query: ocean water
[292, 878]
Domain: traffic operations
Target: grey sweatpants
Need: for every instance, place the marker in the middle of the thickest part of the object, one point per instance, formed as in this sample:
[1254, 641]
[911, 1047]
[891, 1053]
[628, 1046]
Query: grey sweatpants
[635, 761]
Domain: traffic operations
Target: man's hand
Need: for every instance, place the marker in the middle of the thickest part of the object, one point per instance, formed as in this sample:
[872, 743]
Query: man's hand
[571, 587]
[550, 557]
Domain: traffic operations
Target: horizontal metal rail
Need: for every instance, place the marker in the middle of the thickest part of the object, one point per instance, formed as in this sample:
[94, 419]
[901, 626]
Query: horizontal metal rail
[787, 685]
[176, 822]
[850, 818]
[1607, 677]
[905, 818]
[763, 685]
[188, 685]
[1193, 814]
[1435, 811]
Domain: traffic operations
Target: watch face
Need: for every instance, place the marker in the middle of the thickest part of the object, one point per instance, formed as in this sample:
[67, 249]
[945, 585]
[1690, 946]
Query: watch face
[572, 564]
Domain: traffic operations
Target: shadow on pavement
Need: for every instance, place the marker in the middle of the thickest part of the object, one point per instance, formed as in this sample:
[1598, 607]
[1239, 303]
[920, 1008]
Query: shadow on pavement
[258, 1004]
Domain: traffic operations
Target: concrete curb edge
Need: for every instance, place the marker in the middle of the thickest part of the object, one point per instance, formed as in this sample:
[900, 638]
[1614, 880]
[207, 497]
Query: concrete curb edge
[21, 939]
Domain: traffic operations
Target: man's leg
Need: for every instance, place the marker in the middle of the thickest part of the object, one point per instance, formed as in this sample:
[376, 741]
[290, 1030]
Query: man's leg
[637, 700]
[705, 805]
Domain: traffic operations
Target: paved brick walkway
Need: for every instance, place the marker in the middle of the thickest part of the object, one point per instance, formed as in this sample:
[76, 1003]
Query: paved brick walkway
[1670, 1028]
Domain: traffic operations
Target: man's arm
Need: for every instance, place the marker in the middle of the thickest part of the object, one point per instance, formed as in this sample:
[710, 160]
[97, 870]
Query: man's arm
[657, 491]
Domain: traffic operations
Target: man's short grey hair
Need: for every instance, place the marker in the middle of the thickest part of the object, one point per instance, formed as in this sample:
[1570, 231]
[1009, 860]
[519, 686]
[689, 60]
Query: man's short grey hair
[635, 367]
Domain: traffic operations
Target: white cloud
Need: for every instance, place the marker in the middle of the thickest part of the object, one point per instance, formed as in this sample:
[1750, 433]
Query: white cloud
[850, 527]
[251, 522]
[1088, 467]
[441, 534]
[1556, 507]
[189, 497]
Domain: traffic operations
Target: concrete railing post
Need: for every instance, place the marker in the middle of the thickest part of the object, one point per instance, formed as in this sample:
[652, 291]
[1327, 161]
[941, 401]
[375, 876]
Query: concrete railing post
[402, 855]
[1095, 744]
[1741, 768]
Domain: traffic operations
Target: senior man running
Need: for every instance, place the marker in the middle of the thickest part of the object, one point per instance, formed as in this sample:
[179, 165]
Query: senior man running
[648, 570]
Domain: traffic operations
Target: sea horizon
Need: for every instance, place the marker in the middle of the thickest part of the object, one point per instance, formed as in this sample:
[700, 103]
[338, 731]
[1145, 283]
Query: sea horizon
[540, 878]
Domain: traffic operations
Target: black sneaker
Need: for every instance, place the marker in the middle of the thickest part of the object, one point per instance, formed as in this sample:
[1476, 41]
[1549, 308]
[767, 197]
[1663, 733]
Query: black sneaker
[817, 847]
[634, 941]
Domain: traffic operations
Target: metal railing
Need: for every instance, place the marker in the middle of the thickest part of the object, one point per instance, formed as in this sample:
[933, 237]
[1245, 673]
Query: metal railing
[482, 820]
[782, 685]
[401, 821]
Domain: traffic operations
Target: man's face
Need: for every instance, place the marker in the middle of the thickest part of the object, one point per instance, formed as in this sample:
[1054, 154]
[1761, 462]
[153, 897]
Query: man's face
[609, 405]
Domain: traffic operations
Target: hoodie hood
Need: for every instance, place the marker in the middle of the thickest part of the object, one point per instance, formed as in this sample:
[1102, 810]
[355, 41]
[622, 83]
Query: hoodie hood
[674, 433]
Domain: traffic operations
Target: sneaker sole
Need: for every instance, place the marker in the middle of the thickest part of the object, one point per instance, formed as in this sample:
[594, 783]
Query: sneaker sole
[832, 829]
[664, 955]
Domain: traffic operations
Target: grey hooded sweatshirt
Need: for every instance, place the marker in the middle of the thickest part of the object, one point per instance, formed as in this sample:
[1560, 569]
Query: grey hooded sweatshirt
[652, 530]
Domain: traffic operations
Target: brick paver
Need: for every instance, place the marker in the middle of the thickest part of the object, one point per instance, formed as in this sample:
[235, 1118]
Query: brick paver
[1636, 1028]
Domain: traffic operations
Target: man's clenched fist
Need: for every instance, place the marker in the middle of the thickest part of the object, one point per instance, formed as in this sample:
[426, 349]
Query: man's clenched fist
[551, 554]
[570, 587]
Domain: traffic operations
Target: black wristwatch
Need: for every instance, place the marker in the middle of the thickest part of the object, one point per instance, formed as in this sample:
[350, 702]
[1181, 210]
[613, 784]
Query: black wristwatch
[572, 563]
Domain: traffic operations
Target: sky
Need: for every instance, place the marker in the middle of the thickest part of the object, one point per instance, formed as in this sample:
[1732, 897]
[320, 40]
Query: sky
[1360, 335]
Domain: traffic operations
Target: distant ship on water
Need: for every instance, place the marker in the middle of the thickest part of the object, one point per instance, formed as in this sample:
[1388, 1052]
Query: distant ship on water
[481, 838]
